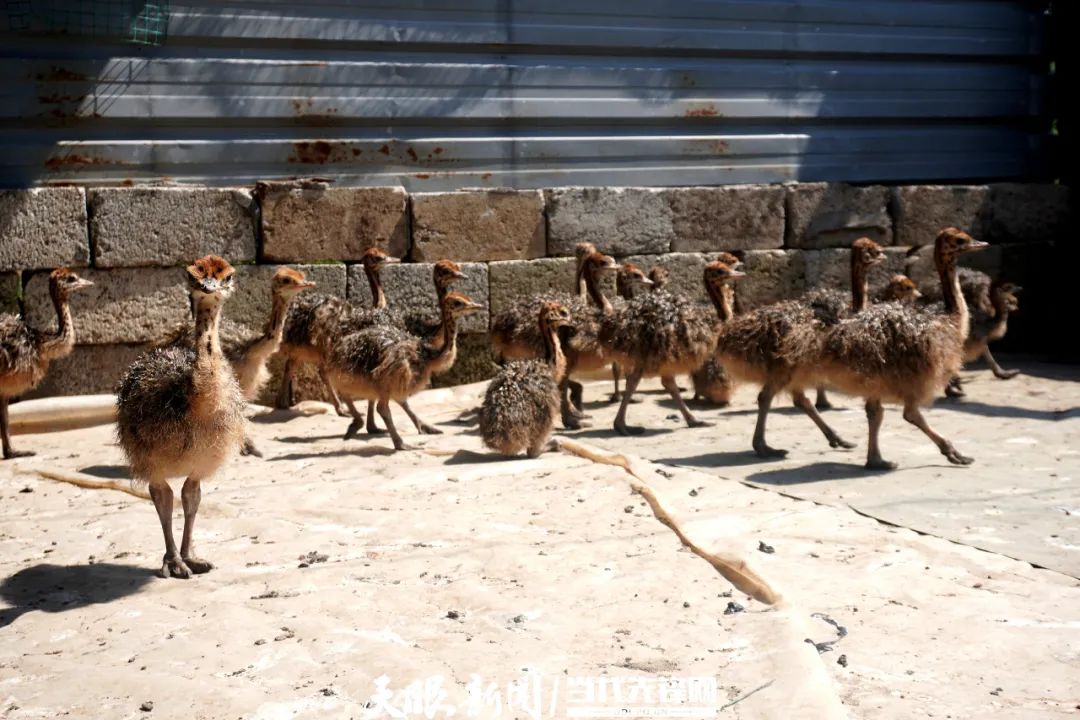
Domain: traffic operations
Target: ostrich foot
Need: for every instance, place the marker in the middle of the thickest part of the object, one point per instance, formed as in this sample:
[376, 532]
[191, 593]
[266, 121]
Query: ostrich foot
[880, 464]
[426, 429]
[624, 429]
[173, 566]
[694, 422]
[955, 457]
[838, 442]
[766, 452]
[1006, 374]
[198, 565]
[18, 454]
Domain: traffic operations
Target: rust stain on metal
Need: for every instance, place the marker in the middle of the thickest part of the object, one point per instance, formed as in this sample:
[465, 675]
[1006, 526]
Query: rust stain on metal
[385, 149]
[705, 111]
[412, 154]
[485, 176]
[316, 153]
[438, 151]
[356, 152]
[423, 176]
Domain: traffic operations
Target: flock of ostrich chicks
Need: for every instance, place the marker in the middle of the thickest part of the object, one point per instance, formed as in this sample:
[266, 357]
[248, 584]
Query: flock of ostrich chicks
[180, 407]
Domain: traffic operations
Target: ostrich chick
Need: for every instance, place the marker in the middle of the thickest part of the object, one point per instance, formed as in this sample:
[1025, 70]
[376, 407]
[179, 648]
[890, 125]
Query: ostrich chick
[897, 353]
[522, 400]
[711, 382]
[180, 414]
[384, 362]
[986, 328]
[900, 288]
[663, 334]
[25, 353]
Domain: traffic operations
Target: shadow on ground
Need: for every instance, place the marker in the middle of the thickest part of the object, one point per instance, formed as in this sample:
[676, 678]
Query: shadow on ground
[975, 407]
[58, 588]
[109, 472]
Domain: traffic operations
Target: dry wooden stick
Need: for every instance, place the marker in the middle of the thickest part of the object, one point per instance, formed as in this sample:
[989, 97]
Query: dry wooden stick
[92, 483]
[734, 569]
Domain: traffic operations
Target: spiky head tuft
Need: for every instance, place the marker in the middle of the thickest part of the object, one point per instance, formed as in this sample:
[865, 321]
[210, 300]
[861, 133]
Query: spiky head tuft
[210, 274]
[446, 272]
[374, 257]
[458, 304]
[64, 280]
[554, 315]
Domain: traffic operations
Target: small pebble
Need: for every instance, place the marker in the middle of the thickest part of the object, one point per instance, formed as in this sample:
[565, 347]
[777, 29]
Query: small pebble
[147, 706]
[519, 619]
[27, 490]
[260, 641]
[693, 493]
[768, 549]
[733, 607]
[842, 661]
[628, 509]
[996, 691]
[453, 614]
[685, 604]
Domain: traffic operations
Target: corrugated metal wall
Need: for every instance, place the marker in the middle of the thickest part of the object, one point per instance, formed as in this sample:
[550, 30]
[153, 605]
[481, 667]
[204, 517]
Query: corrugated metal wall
[439, 94]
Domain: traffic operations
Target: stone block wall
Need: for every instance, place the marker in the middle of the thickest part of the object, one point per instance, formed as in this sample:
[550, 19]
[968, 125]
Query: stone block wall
[134, 242]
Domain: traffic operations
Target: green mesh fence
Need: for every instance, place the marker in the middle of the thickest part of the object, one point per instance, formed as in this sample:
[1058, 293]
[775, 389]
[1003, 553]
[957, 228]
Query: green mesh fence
[135, 21]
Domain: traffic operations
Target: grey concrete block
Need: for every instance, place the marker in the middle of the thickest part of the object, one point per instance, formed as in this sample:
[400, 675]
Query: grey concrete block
[1029, 213]
[88, 370]
[478, 225]
[250, 302]
[772, 275]
[475, 362]
[922, 211]
[737, 217]
[126, 305]
[823, 215]
[316, 222]
[409, 288]
[137, 227]
[619, 221]
[43, 228]
[10, 292]
[516, 279]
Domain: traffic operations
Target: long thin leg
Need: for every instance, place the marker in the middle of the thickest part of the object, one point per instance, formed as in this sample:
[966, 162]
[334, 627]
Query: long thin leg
[803, 403]
[914, 415]
[672, 387]
[190, 497]
[822, 401]
[421, 426]
[8, 452]
[384, 411]
[172, 564]
[998, 371]
[875, 414]
[570, 419]
[621, 427]
[283, 401]
[577, 397]
[357, 419]
[764, 402]
[335, 397]
[616, 373]
[372, 427]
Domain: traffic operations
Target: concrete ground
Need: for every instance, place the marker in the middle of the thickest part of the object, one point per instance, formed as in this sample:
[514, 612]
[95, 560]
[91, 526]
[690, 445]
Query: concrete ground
[455, 575]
